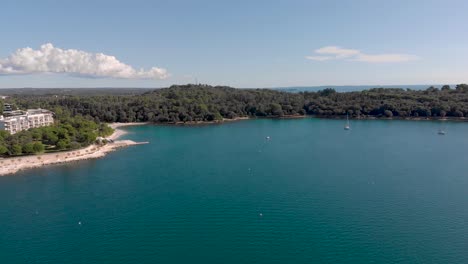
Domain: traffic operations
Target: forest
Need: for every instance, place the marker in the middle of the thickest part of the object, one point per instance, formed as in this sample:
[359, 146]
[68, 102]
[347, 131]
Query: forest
[202, 103]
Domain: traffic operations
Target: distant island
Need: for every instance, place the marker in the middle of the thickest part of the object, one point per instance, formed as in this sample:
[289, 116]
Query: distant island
[81, 116]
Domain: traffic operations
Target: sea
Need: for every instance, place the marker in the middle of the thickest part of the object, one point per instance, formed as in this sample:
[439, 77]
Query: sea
[254, 191]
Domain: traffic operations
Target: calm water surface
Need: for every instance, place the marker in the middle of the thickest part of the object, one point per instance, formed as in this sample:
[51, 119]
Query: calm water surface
[384, 192]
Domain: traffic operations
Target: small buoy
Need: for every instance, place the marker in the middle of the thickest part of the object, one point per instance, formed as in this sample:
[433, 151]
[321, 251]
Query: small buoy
[260, 214]
[79, 222]
[268, 137]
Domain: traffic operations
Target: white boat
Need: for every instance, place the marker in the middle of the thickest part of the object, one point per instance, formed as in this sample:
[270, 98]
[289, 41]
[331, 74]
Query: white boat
[347, 126]
[441, 132]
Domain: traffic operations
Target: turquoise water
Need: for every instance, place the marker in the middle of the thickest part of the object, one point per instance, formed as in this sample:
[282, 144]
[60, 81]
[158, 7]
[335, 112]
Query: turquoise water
[384, 192]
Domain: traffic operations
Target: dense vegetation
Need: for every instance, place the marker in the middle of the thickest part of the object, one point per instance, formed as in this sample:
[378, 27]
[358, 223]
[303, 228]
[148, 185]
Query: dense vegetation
[80, 117]
[190, 103]
[429, 103]
[67, 133]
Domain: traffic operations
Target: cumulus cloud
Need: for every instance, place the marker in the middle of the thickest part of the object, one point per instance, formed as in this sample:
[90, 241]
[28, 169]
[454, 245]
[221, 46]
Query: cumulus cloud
[338, 53]
[49, 59]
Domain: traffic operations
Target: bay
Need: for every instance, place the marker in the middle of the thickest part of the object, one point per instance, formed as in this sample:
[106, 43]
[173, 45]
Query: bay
[383, 192]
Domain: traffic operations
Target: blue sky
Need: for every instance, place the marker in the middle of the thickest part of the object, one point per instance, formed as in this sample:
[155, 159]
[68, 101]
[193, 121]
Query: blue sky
[237, 43]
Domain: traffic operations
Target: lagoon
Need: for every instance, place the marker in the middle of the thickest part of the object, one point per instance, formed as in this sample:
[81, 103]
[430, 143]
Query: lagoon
[383, 192]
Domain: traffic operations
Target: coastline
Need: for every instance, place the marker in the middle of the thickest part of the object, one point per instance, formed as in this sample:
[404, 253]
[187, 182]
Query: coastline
[10, 166]
[119, 132]
[195, 123]
[286, 117]
[226, 120]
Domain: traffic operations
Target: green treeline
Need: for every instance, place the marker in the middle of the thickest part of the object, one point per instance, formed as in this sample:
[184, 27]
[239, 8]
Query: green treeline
[380, 102]
[67, 133]
[190, 103]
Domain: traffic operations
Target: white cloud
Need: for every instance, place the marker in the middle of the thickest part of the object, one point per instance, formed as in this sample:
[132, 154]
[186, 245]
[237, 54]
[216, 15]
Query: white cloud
[319, 58]
[49, 59]
[338, 53]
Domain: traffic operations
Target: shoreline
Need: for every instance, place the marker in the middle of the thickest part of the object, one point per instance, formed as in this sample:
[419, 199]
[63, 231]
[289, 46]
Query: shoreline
[119, 132]
[13, 165]
[341, 117]
[194, 123]
[224, 120]
[286, 117]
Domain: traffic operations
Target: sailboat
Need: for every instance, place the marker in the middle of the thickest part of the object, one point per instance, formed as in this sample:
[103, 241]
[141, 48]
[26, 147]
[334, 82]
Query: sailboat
[441, 130]
[347, 126]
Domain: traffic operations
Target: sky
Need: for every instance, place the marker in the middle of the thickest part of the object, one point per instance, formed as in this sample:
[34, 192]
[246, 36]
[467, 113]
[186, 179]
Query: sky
[246, 44]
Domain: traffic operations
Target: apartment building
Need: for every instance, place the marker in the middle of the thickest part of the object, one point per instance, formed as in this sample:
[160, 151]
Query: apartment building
[16, 121]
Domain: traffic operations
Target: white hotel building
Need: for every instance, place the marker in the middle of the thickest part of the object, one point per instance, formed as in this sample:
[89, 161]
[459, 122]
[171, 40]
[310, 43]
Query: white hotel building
[17, 121]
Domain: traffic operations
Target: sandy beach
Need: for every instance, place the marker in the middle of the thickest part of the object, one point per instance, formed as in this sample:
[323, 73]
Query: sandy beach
[13, 165]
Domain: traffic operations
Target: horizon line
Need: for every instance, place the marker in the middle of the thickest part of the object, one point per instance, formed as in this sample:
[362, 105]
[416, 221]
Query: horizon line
[252, 87]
